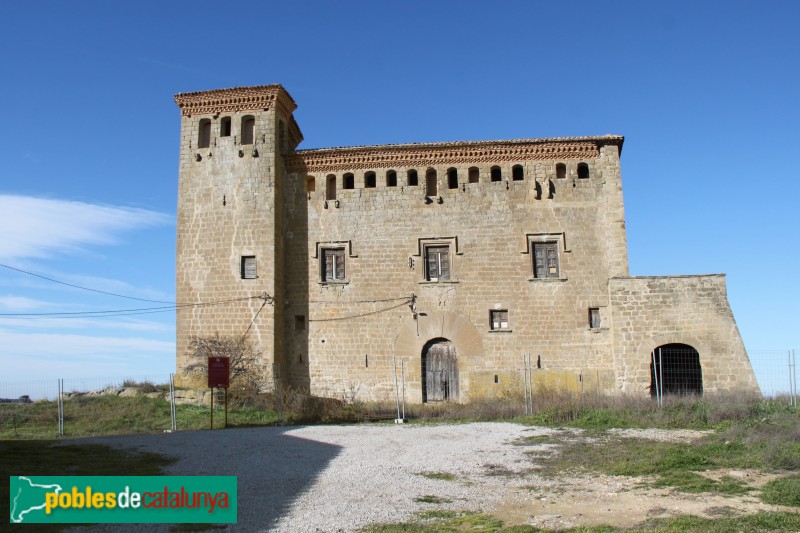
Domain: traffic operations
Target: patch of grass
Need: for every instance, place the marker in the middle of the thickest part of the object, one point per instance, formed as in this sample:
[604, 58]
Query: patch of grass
[430, 498]
[45, 458]
[764, 521]
[782, 491]
[444, 476]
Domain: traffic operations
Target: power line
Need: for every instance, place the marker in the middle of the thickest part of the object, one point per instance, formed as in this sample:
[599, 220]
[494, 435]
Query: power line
[84, 288]
[401, 304]
[122, 312]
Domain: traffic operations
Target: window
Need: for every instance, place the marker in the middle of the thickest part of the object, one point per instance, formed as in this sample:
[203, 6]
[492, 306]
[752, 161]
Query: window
[204, 134]
[299, 322]
[561, 171]
[583, 171]
[474, 175]
[452, 178]
[594, 317]
[282, 144]
[248, 129]
[431, 188]
[517, 173]
[437, 263]
[369, 180]
[349, 181]
[545, 260]
[333, 264]
[498, 319]
[225, 127]
[391, 178]
[497, 174]
[330, 187]
[413, 179]
[311, 184]
[249, 267]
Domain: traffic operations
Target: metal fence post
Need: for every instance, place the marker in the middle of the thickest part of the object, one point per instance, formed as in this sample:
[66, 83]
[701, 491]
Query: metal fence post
[172, 411]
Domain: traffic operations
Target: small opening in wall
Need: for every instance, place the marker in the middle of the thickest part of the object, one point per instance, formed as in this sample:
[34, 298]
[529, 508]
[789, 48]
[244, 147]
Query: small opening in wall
[204, 134]
[300, 322]
[413, 178]
[583, 171]
[349, 181]
[496, 378]
[496, 173]
[330, 187]
[369, 180]
[311, 184]
[430, 183]
[561, 171]
[452, 178]
[594, 317]
[225, 127]
[366, 361]
[391, 178]
[517, 173]
[539, 361]
[474, 175]
[248, 129]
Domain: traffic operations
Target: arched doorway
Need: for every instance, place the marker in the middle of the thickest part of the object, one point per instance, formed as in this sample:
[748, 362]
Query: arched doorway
[675, 369]
[439, 371]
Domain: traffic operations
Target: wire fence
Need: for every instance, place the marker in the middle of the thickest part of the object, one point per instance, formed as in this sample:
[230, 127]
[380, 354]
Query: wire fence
[98, 406]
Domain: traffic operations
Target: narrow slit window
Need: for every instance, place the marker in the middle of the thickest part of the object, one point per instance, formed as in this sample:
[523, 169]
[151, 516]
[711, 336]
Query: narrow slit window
[594, 317]
[225, 127]
[496, 173]
[248, 267]
[248, 129]
[517, 173]
[474, 175]
[330, 187]
[349, 181]
[391, 178]
[413, 178]
[452, 178]
[431, 187]
[204, 134]
[369, 180]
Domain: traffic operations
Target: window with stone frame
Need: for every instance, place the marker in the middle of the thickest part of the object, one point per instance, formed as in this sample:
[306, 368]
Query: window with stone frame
[333, 264]
[545, 260]
[248, 267]
[437, 262]
[594, 318]
[498, 319]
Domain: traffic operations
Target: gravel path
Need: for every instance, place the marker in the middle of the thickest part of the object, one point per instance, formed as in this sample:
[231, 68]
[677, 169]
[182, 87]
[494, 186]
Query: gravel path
[341, 478]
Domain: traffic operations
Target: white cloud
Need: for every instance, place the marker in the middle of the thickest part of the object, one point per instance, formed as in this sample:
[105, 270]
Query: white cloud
[21, 304]
[40, 227]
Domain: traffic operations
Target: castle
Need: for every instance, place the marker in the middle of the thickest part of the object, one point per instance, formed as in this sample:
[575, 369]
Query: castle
[455, 258]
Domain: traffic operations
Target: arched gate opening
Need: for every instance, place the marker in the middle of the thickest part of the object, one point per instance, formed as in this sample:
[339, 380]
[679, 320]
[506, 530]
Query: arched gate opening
[675, 369]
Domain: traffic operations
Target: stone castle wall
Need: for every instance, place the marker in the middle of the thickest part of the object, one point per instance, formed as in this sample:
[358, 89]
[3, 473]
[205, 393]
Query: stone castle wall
[271, 203]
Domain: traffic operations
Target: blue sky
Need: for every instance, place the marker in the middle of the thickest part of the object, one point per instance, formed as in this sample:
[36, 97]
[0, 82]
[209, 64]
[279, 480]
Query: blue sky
[704, 92]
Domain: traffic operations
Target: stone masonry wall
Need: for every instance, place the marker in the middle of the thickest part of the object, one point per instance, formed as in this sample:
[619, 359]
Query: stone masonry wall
[648, 312]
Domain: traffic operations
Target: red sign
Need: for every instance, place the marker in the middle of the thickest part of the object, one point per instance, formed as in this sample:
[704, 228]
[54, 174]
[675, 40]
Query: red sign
[218, 372]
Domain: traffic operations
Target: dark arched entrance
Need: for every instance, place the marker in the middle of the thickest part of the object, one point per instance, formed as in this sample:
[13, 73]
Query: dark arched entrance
[675, 369]
[439, 371]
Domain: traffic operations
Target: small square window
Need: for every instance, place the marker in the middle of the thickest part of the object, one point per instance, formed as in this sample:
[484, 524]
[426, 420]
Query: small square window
[299, 322]
[498, 319]
[249, 267]
[594, 317]
[545, 260]
[333, 264]
[437, 263]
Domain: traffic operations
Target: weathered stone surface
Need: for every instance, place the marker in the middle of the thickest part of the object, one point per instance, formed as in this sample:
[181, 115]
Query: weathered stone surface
[285, 207]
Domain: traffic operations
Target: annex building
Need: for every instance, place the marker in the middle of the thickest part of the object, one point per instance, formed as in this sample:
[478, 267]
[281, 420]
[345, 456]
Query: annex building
[455, 258]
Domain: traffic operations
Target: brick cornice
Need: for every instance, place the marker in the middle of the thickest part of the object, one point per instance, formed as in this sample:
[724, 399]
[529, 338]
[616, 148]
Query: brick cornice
[452, 153]
[260, 98]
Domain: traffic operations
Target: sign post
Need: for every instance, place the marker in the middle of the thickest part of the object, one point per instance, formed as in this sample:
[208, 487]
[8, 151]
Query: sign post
[219, 375]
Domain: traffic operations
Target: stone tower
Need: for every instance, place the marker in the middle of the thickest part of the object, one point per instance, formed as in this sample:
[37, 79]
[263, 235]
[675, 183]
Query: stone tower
[229, 214]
